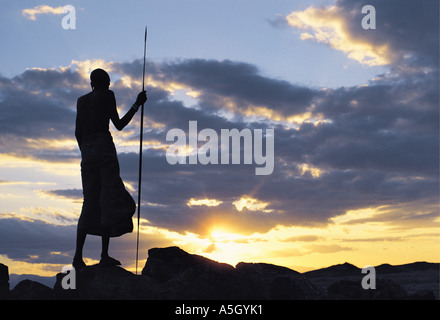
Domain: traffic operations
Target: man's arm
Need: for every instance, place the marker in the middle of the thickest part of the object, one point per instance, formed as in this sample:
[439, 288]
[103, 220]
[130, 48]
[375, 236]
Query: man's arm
[121, 123]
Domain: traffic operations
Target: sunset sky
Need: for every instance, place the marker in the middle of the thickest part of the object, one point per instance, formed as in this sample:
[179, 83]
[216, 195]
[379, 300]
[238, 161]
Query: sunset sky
[355, 114]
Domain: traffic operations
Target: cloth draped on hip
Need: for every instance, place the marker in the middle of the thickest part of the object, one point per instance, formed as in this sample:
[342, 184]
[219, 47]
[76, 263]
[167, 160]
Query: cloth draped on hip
[107, 205]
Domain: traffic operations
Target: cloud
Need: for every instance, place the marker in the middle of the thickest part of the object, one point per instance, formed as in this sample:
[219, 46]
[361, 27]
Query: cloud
[203, 202]
[34, 240]
[328, 25]
[74, 194]
[378, 144]
[278, 22]
[303, 238]
[371, 147]
[240, 88]
[316, 248]
[398, 41]
[250, 204]
[31, 14]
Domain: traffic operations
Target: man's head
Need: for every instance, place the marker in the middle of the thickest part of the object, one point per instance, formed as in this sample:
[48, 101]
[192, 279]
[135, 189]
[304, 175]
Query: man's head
[99, 79]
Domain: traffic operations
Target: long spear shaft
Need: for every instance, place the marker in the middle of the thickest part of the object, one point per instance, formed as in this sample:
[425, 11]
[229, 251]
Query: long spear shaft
[140, 154]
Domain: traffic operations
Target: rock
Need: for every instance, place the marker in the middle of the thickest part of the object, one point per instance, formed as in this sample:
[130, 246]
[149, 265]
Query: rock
[346, 289]
[4, 282]
[266, 281]
[111, 283]
[386, 268]
[345, 269]
[423, 295]
[166, 263]
[388, 290]
[352, 290]
[188, 276]
[173, 274]
[31, 290]
[420, 266]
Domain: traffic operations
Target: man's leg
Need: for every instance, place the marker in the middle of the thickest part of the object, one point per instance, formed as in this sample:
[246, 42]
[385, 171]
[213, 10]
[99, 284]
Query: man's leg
[105, 244]
[106, 260]
[80, 240]
[109, 178]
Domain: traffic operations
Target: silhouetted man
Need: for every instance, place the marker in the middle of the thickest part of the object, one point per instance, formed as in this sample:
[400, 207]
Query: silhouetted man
[107, 208]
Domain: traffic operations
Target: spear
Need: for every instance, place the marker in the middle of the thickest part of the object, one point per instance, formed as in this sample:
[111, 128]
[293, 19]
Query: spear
[140, 154]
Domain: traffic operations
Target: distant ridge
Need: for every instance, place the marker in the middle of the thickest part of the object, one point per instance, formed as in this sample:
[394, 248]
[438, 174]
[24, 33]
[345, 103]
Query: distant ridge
[15, 279]
[345, 269]
[415, 278]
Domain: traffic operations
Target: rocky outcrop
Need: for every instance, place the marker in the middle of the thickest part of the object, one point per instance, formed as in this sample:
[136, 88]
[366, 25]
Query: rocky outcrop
[415, 281]
[267, 281]
[173, 274]
[31, 290]
[187, 276]
[4, 281]
[101, 283]
[167, 263]
[351, 290]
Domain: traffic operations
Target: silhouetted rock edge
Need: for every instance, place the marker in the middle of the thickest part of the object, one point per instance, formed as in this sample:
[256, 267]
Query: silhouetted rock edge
[173, 274]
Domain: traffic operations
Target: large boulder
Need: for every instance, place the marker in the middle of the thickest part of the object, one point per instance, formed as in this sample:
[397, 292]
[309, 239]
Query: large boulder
[352, 290]
[106, 283]
[31, 290]
[267, 281]
[4, 282]
[164, 264]
[188, 276]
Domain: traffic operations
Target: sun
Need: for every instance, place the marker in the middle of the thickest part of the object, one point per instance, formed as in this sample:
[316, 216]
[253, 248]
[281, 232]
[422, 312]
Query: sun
[226, 246]
[223, 235]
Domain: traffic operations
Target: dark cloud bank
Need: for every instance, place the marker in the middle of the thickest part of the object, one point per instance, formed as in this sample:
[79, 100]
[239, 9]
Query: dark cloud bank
[379, 145]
